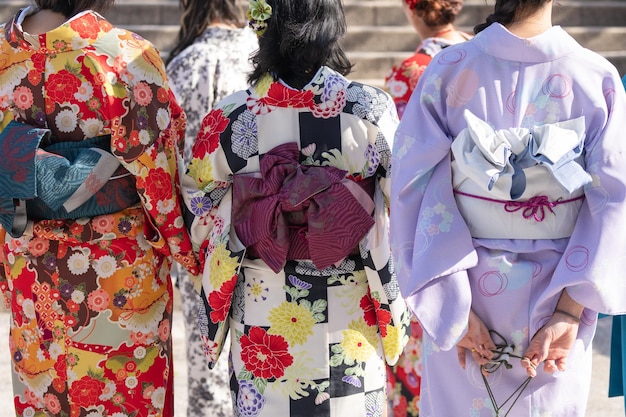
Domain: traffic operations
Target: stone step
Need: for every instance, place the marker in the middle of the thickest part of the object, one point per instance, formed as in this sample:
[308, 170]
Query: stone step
[364, 12]
[378, 33]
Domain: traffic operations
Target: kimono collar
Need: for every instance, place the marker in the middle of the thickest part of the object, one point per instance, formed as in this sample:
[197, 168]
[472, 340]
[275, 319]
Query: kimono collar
[552, 44]
[77, 32]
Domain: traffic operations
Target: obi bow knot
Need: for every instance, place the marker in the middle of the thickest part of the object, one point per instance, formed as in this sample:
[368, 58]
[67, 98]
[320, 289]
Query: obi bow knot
[296, 211]
[488, 156]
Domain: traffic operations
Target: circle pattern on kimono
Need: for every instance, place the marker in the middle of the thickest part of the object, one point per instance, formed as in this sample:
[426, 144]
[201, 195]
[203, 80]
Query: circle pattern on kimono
[451, 57]
[492, 283]
[557, 86]
[577, 258]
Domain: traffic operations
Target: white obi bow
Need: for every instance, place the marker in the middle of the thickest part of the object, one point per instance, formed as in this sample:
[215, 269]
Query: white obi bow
[496, 159]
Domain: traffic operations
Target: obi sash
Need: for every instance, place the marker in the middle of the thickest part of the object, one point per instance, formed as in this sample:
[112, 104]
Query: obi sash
[519, 183]
[299, 211]
[64, 180]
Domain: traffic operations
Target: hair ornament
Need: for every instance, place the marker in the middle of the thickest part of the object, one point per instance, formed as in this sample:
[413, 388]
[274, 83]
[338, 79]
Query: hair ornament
[412, 3]
[258, 14]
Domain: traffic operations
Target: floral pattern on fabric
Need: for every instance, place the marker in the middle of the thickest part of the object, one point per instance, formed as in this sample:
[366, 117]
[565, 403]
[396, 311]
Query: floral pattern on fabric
[403, 77]
[91, 298]
[302, 339]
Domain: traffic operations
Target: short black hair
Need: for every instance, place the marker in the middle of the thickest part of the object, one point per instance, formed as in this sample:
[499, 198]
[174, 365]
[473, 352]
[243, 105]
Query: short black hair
[69, 8]
[301, 36]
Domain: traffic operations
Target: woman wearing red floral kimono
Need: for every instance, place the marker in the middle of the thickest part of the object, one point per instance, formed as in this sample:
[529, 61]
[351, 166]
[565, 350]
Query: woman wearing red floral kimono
[90, 214]
[287, 187]
[433, 20]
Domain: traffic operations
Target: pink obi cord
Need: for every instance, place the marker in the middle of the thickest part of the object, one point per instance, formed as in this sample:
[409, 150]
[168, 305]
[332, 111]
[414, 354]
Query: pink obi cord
[534, 207]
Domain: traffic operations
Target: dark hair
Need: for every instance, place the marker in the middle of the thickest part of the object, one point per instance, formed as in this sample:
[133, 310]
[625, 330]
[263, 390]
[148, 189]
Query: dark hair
[438, 12]
[69, 8]
[506, 11]
[199, 14]
[301, 36]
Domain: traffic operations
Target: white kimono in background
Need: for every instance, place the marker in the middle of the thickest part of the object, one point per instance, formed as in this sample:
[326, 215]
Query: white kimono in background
[513, 284]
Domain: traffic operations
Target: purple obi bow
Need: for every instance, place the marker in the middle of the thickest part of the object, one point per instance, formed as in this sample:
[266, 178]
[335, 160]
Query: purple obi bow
[300, 211]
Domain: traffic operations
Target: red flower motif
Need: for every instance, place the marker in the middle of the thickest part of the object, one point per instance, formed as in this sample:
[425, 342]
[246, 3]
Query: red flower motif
[281, 96]
[208, 137]
[62, 86]
[265, 355]
[87, 26]
[400, 409]
[220, 300]
[158, 185]
[85, 391]
[372, 313]
[39, 62]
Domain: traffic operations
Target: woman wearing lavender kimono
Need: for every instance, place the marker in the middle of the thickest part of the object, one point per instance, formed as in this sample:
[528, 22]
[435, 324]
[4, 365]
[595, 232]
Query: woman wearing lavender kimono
[90, 213]
[288, 185]
[508, 206]
[210, 61]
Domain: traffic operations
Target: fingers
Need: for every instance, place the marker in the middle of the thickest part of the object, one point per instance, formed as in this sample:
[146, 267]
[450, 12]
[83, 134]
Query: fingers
[549, 366]
[530, 366]
[485, 350]
[460, 352]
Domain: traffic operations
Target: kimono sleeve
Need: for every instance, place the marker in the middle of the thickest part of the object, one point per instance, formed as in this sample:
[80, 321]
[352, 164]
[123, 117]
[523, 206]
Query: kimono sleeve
[146, 131]
[430, 242]
[207, 190]
[392, 314]
[593, 264]
[4, 285]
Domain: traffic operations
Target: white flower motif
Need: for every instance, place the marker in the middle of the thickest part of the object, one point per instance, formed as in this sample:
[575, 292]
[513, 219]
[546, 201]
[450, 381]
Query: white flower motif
[111, 77]
[158, 397]
[397, 88]
[55, 350]
[11, 77]
[144, 137]
[131, 382]
[108, 392]
[28, 306]
[79, 43]
[145, 321]
[105, 266]
[140, 352]
[85, 91]
[91, 127]
[78, 263]
[78, 296]
[29, 412]
[66, 121]
[163, 119]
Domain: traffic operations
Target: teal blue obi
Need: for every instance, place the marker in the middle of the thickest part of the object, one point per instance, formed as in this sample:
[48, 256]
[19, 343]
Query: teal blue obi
[63, 180]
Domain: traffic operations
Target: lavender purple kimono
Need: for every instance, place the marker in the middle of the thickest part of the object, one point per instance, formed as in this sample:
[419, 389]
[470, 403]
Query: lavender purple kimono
[512, 284]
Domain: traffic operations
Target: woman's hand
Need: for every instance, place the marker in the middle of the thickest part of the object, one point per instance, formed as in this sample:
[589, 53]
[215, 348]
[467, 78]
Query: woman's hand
[477, 340]
[552, 343]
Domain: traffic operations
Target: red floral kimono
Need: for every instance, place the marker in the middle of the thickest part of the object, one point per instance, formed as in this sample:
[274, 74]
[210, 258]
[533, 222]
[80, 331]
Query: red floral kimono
[91, 297]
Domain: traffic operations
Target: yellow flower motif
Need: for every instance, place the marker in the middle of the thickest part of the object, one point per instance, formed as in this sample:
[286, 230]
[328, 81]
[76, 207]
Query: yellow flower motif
[357, 341]
[292, 321]
[201, 170]
[222, 266]
[392, 343]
